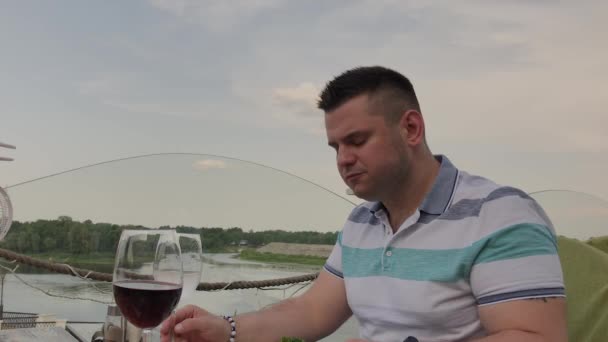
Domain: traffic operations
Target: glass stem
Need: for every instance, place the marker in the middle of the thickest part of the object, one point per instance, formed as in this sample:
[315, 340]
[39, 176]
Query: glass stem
[146, 335]
[171, 332]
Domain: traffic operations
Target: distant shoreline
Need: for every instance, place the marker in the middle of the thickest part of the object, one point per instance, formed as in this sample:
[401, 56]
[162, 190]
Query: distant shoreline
[307, 260]
[104, 262]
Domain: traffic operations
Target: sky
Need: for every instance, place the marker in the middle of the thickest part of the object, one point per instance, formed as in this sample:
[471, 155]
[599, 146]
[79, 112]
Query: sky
[514, 91]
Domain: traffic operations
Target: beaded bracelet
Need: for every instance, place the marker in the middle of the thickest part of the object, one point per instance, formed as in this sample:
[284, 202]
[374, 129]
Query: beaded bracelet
[232, 328]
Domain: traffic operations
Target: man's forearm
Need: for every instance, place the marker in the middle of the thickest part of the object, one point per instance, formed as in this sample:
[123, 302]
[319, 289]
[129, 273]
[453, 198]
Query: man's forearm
[512, 336]
[287, 318]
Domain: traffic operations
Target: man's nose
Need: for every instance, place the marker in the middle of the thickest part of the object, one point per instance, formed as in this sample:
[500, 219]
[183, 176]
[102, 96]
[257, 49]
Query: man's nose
[345, 157]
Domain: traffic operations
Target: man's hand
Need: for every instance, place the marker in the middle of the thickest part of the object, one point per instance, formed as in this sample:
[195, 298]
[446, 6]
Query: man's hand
[192, 323]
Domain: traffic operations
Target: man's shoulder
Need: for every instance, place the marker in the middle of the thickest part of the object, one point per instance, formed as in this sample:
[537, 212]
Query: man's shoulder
[495, 205]
[475, 187]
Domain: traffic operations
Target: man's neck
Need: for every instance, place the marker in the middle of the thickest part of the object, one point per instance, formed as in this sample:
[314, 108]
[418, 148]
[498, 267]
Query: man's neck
[411, 194]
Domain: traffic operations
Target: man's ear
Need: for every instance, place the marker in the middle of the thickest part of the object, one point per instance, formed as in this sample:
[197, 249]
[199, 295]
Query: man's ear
[412, 128]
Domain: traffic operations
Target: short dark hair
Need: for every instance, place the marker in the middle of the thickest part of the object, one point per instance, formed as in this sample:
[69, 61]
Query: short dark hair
[394, 91]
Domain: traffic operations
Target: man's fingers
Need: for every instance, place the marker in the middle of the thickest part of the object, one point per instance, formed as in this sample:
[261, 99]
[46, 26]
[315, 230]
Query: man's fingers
[167, 325]
[184, 322]
[188, 326]
[188, 311]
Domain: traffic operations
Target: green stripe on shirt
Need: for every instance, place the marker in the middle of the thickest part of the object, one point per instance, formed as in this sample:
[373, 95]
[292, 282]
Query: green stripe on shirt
[517, 241]
[448, 265]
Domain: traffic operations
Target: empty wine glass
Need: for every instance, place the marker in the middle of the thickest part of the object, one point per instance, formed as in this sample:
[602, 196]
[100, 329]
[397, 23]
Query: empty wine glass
[192, 262]
[148, 277]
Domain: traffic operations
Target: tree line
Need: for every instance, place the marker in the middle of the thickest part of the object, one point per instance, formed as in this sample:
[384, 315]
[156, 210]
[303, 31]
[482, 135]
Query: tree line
[65, 235]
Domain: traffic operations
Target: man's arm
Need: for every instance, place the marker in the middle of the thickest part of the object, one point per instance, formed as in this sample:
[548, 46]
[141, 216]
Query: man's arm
[526, 320]
[315, 314]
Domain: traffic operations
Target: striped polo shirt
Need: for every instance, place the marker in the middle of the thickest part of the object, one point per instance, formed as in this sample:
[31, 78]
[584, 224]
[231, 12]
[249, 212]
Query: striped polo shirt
[470, 243]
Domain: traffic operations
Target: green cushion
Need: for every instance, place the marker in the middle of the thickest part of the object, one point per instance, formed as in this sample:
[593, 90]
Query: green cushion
[586, 279]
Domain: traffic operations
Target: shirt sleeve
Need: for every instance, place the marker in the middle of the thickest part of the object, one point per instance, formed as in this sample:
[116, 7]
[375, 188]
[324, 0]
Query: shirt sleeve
[519, 260]
[333, 264]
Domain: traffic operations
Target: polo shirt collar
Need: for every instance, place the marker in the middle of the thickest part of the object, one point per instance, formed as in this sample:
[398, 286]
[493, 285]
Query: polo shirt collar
[438, 199]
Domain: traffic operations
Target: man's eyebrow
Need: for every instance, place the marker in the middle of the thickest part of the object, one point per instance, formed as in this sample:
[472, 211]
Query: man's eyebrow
[349, 136]
[356, 134]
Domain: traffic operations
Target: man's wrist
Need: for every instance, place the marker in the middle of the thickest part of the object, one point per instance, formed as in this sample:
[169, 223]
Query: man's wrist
[231, 328]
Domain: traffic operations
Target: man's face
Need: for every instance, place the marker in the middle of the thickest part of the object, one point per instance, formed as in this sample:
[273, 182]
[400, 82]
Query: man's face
[372, 157]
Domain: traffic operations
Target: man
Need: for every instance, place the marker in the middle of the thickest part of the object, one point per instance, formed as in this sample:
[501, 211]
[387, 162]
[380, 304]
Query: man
[436, 254]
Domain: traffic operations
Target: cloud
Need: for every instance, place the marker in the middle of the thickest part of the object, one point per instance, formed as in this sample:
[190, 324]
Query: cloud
[297, 107]
[506, 77]
[300, 100]
[493, 66]
[135, 93]
[208, 164]
[216, 15]
[94, 86]
[485, 71]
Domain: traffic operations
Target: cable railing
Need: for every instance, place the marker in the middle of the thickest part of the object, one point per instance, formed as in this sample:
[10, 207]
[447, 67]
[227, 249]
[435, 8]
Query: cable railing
[121, 190]
[190, 188]
[106, 277]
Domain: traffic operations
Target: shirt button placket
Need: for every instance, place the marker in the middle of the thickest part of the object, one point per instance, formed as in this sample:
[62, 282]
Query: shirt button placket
[387, 259]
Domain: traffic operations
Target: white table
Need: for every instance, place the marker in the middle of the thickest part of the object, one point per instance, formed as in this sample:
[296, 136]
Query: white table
[47, 334]
[83, 331]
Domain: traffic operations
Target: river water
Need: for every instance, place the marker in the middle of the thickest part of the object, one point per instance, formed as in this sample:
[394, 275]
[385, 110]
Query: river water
[71, 298]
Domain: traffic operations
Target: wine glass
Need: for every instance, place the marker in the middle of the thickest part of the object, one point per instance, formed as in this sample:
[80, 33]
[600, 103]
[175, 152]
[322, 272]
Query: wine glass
[192, 262]
[148, 277]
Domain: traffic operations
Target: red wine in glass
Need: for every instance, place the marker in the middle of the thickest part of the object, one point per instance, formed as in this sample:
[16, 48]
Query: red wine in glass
[146, 303]
[148, 277]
